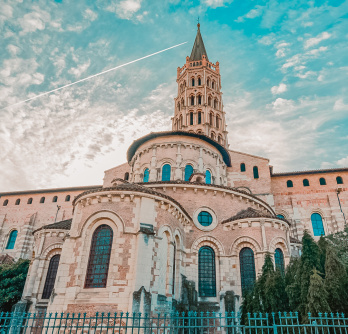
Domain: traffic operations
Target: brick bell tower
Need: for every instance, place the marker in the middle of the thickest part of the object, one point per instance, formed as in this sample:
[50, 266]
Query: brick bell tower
[198, 106]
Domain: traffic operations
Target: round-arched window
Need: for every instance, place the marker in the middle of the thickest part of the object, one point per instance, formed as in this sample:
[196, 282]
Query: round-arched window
[188, 172]
[146, 175]
[205, 218]
[207, 177]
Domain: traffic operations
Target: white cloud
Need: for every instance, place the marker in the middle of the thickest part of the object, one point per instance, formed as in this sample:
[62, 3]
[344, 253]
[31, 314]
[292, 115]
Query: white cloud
[283, 106]
[216, 3]
[282, 49]
[77, 71]
[316, 40]
[267, 40]
[307, 24]
[340, 105]
[13, 49]
[255, 12]
[279, 89]
[90, 15]
[343, 162]
[33, 21]
[125, 9]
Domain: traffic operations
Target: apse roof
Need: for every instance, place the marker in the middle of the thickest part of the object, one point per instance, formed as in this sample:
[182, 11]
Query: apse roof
[136, 144]
[61, 225]
[198, 49]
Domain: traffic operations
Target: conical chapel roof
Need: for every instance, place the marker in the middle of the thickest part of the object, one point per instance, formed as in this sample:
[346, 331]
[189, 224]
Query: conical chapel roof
[198, 49]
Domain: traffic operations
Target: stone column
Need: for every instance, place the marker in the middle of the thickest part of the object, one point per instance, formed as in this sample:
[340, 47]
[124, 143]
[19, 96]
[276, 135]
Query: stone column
[217, 179]
[200, 161]
[178, 172]
[263, 234]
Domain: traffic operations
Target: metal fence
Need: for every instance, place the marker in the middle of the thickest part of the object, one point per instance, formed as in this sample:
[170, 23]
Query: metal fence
[178, 323]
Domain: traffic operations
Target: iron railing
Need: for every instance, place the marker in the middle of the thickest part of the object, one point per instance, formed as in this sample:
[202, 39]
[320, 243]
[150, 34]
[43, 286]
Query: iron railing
[174, 323]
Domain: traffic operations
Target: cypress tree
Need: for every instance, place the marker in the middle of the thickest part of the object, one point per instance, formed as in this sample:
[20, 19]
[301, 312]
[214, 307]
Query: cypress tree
[317, 295]
[310, 260]
[276, 296]
[292, 283]
[336, 281]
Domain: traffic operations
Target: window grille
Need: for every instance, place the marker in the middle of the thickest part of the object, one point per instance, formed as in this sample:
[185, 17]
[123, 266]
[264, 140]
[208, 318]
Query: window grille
[279, 260]
[205, 218]
[256, 172]
[166, 169]
[247, 268]
[242, 167]
[317, 225]
[206, 272]
[51, 276]
[207, 177]
[188, 172]
[99, 257]
[146, 175]
[12, 239]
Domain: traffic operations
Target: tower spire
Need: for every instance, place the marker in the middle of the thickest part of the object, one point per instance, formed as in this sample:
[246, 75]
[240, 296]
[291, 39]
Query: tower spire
[198, 49]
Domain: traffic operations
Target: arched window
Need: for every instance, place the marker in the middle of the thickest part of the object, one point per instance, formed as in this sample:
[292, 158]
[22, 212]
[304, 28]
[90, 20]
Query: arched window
[208, 83]
[209, 100]
[12, 239]
[215, 104]
[191, 118]
[213, 84]
[199, 99]
[219, 139]
[18, 201]
[289, 184]
[339, 180]
[30, 201]
[256, 172]
[193, 82]
[247, 268]
[305, 183]
[211, 118]
[126, 176]
[179, 106]
[67, 198]
[166, 169]
[99, 257]
[51, 276]
[206, 272]
[199, 117]
[317, 225]
[279, 260]
[192, 100]
[242, 167]
[207, 177]
[55, 199]
[180, 121]
[146, 175]
[281, 216]
[217, 121]
[5, 202]
[212, 135]
[322, 181]
[199, 81]
[182, 102]
[188, 172]
[42, 200]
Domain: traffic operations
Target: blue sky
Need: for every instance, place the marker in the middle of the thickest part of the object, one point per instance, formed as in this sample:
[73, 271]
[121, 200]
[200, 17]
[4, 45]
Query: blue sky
[284, 67]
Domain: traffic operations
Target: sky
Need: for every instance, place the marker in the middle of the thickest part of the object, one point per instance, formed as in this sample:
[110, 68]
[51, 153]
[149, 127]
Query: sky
[284, 69]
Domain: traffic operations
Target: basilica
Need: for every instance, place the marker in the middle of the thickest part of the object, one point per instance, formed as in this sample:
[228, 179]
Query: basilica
[183, 224]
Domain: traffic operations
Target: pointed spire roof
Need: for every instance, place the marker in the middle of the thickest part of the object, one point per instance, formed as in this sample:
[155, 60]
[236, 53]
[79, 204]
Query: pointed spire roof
[198, 49]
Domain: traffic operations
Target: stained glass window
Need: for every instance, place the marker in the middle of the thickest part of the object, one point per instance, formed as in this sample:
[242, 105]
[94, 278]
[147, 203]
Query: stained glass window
[188, 172]
[205, 218]
[99, 257]
[247, 268]
[279, 260]
[206, 272]
[146, 175]
[51, 276]
[12, 239]
[166, 169]
[207, 177]
[317, 224]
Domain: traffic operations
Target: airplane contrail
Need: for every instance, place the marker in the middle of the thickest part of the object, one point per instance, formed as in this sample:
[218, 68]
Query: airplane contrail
[94, 75]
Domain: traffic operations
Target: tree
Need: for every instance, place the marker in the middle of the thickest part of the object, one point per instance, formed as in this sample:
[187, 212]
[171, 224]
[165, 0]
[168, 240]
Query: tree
[12, 279]
[292, 283]
[317, 295]
[336, 281]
